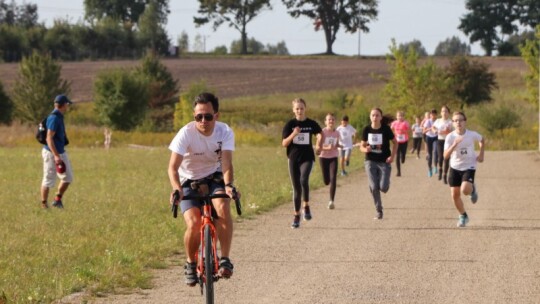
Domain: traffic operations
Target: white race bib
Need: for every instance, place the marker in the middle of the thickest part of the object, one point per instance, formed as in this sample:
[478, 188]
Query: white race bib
[375, 140]
[401, 137]
[301, 139]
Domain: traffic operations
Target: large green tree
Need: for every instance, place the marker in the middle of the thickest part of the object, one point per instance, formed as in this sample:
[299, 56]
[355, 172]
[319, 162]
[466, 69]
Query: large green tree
[237, 13]
[36, 86]
[412, 87]
[24, 15]
[353, 15]
[487, 21]
[127, 11]
[152, 31]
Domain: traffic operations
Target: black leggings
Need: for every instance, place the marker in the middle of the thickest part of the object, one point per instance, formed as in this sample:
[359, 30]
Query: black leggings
[329, 168]
[401, 153]
[417, 145]
[299, 173]
[441, 160]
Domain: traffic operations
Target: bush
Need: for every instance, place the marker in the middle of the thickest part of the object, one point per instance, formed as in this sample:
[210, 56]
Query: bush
[499, 118]
[471, 82]
[121, 98]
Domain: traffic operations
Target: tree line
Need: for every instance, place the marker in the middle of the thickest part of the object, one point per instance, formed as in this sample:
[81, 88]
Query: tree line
[127, 28]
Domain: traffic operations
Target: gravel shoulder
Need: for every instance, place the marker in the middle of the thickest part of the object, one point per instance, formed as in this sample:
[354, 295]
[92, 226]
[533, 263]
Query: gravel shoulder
[415, 255]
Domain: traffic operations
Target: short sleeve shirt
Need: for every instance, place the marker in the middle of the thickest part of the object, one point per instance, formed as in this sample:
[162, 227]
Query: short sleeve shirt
[330, 138]
[401, 130]
[379, 140]
[463, 157]
[444, 127]
[55, 122]
[301, 148]
[201, 154]
[346, 134]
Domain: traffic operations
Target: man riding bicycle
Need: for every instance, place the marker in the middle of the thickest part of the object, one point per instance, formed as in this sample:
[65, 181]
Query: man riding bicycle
[202, 152]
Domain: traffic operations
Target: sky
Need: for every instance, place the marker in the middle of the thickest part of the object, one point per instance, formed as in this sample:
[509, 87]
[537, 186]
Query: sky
[430, 21]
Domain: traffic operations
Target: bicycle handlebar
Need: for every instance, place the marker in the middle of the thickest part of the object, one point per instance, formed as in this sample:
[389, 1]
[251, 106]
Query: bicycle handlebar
[176, 198]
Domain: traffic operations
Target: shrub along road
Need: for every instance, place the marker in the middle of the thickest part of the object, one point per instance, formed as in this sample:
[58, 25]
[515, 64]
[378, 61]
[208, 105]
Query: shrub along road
[415, 255]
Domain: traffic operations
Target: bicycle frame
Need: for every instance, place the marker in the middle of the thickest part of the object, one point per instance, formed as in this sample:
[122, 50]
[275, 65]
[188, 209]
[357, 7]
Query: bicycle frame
[207, 221]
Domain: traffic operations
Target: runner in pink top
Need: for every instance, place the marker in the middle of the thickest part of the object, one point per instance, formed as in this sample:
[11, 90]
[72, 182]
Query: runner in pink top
[329, 155]
[401, 130]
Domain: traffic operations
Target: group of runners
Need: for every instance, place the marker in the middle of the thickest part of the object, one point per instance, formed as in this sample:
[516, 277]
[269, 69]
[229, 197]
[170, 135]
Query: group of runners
[449, 145]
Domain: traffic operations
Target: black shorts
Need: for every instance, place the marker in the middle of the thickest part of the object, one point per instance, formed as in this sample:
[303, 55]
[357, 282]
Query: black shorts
[215, 183]
[456, 177]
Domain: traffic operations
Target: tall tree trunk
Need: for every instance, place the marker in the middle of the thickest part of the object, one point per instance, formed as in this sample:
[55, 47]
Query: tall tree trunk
[329, 41]
[244, 41]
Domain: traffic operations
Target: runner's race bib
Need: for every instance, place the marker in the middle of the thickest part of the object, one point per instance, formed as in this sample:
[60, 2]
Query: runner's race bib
[375, 141]
[301, 139]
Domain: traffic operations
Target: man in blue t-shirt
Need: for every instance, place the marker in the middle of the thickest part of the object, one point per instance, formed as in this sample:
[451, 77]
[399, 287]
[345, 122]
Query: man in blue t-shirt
[55, 158]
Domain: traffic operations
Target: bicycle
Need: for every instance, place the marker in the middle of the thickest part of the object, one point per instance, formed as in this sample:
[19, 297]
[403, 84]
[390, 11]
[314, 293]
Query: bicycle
[207, 258]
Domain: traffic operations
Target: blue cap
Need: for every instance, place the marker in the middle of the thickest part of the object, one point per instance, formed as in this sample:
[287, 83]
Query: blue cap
[62, 99]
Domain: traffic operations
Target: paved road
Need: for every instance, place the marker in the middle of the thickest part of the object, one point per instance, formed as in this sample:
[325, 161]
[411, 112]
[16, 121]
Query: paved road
[415, 255]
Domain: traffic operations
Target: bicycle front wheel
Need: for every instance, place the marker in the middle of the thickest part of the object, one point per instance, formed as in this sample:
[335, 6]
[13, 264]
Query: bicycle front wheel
[208, 266]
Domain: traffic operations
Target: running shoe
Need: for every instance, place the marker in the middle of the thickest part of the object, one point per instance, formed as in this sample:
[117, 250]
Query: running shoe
[58, 204]
[398, 174]
[44, 205]
[435, 170]
[331, 205]
[225, 268]
[307, 213]
[190, 272]
[429, 173]
[474, 195]
[463, 220]
[296, 222]
[379, 216]
[343, 173]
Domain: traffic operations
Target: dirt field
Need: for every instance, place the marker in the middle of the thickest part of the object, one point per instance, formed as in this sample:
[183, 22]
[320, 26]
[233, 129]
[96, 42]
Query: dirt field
[233, 77]
[415, 255]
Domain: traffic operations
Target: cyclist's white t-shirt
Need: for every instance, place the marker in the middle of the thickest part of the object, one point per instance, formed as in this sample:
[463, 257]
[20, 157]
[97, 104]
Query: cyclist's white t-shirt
[346, 136]
[463, 157]
[201, 154]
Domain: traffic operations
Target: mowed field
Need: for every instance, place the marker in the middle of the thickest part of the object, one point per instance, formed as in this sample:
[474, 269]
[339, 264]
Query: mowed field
[250, 76]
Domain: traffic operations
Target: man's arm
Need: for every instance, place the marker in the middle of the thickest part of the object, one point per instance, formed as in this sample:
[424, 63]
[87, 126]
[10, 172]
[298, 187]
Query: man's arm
[228, 171]
[174, 178]
[52, 147]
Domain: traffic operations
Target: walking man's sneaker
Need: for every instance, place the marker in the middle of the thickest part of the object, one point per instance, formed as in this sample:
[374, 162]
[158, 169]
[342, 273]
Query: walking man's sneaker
[379, 216]
[307, 213]
[296, 222]
[463, 220]
[474, 195]
[343, 173]
[225, 268]
[331, 205]
[190, 272]
[58, 204]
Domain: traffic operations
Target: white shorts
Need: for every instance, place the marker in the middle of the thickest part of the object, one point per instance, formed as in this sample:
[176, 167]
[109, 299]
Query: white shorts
[49, 169]
[345, 152]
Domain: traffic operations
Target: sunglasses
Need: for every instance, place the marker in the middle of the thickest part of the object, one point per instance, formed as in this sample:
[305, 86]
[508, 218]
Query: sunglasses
[206, 116]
